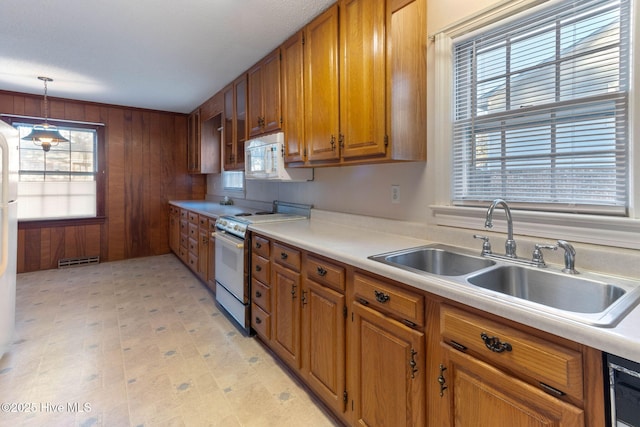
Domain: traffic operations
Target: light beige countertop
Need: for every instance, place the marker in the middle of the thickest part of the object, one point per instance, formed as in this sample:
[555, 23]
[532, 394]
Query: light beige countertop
[351, 244]
[212, 209]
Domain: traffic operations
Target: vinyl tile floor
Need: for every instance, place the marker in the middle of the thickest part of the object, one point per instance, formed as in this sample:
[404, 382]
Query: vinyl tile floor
[139, 342]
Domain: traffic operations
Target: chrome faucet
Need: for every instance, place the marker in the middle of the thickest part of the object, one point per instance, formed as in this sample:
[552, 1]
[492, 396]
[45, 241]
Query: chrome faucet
[510, 244]
[569, 257]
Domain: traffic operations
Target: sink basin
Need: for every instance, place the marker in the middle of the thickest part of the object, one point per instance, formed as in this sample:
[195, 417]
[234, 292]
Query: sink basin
[434, 260]
[561, 291]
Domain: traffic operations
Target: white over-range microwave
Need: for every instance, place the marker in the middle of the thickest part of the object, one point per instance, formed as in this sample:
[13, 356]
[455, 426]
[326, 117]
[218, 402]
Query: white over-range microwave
[264, 160]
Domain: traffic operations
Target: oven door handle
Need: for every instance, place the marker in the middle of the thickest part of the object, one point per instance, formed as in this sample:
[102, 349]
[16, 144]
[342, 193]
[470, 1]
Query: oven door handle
[224, 239]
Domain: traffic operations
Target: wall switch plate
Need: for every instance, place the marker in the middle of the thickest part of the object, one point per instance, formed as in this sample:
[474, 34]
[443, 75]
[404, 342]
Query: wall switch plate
[395, 193]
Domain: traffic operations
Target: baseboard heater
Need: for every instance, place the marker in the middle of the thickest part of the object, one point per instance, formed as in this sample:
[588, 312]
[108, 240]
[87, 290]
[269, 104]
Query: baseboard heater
[77, 262]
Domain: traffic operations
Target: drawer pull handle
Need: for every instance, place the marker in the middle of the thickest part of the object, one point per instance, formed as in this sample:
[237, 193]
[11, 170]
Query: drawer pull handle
[258, 320]
[304, 298]
[258, 294]
[381, 297]
[442, 380]
[494, 344]
[258, 268]
[413, 364]
[321, 271]
[283, 255]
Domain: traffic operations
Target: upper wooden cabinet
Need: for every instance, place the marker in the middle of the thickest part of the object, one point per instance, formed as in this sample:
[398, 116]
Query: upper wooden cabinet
[235, 123]
[321, 91]
[203, 151]
[362, 79]
[264, 106]
[293, 98]
[364, 84]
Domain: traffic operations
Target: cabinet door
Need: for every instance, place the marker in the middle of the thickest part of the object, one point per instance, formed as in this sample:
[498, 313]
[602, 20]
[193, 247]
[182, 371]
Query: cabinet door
[286, 314]
[228, 128]
[211, 256]
[271, 116]
[174, 231]
[203, 254]
[193, 143]
[480, 395]
[323, 323]
[240, 89]
[387, 361]
[321, 101]
[293, 98]
[255, 99]
[362, 78]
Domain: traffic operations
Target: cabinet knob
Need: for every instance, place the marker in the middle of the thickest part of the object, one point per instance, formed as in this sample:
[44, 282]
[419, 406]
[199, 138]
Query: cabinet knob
[283, 255]
[381, 297]
[258, 320]
[321, 271]
[258, 294]
[258, 245]
[258, 268]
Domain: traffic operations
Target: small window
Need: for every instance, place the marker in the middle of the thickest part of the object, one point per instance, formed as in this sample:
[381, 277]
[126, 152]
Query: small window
[233, 180]
[60, 183]
[541, 110]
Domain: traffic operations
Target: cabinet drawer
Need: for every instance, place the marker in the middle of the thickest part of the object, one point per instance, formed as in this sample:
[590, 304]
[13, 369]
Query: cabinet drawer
[193, 246]
[174, 210]
[260, 321]
[538, 359]
[286, 256]
[326, 273]
[193, 261]
[203, 221]
[260, 246]
[261, 295]
[184, 241]
[193, 217]
[389, 298]
[212, 225]
[184, 214]
[184, 254]
[260, 268]
[193, 230]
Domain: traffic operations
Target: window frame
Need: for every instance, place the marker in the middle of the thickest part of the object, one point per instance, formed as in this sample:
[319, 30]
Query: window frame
[99, 218]
[603, 229]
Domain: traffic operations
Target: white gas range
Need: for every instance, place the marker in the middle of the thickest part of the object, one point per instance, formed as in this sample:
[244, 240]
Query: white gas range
[233, 258]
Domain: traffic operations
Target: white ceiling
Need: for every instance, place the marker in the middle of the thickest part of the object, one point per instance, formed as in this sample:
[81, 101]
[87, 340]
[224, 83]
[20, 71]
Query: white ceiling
[159, 54]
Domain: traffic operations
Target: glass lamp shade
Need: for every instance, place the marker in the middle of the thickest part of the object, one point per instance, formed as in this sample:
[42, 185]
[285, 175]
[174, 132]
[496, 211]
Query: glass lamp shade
[45, 135]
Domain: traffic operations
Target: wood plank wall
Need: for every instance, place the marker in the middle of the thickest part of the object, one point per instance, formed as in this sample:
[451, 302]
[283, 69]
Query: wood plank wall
[146, 166]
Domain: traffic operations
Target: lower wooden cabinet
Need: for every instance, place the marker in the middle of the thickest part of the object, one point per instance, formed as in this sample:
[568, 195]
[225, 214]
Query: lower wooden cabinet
[285, 321]
[323, 336]
[481, 395]
[380, 353]
[387, 361]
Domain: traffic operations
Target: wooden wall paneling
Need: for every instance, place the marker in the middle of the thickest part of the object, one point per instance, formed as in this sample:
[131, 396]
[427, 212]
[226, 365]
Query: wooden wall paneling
[158, 220]
[32, 250]
[115, 185]
[74, 241]
[21, 251]
[74, 111]
[57, 247]
[159, 174]
[45, 248]
[6, 103]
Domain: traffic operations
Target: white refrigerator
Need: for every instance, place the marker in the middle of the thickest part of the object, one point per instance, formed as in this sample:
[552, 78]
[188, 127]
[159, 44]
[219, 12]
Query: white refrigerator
[8, 233]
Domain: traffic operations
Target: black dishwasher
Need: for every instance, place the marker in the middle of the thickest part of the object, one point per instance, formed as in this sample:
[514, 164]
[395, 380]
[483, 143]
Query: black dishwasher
[624, 391]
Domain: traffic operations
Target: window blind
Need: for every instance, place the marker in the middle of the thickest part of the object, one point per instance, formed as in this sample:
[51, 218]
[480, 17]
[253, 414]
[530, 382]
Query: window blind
[541, 110]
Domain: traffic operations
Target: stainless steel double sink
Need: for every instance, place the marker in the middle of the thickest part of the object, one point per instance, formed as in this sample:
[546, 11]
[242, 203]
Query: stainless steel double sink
[589, 298]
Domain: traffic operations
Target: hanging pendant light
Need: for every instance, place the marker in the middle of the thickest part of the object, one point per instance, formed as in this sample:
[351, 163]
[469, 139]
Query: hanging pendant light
[45, 135]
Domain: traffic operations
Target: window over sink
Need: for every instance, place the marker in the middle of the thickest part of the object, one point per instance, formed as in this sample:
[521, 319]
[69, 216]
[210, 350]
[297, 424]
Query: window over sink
[540, 109]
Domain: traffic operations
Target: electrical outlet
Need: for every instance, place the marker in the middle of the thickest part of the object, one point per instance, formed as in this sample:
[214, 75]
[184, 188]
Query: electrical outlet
[395, 193]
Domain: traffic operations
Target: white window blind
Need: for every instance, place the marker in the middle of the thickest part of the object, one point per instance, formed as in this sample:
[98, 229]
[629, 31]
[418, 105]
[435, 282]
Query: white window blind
[540, 110]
